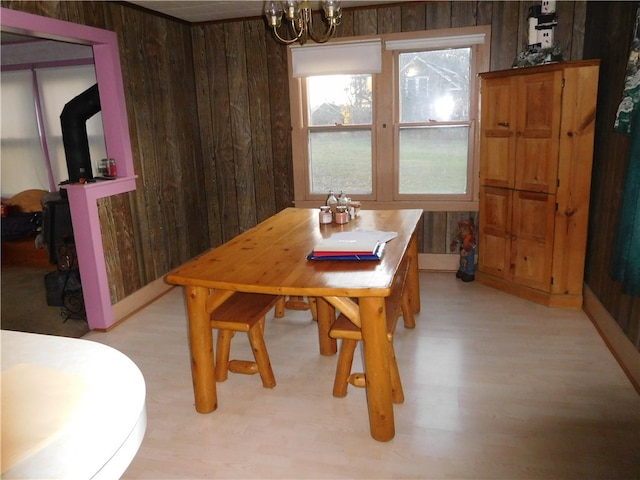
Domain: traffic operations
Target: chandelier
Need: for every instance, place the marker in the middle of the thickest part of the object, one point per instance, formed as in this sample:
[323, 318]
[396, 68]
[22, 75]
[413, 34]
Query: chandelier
[298, 14]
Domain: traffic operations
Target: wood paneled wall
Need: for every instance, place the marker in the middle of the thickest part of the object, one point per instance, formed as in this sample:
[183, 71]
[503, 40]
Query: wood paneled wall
[209, 119]
[241, 70]
[609, 29]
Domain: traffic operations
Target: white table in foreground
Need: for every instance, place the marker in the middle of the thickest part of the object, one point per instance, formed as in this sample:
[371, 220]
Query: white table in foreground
[70, 408]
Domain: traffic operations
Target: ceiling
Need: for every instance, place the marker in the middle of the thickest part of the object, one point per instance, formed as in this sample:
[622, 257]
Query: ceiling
[200, 11]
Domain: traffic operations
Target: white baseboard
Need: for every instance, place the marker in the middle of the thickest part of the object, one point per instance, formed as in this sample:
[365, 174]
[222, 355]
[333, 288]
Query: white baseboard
[140, 299]
[623, 350]
[438, 262]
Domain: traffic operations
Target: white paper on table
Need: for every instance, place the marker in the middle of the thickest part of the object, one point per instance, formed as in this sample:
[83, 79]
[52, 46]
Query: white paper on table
[364, 235]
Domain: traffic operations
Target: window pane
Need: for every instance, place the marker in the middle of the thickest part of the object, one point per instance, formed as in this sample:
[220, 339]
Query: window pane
[339, 100]
[23, 163]
[434, 86]
[340, 160]
[433, 160]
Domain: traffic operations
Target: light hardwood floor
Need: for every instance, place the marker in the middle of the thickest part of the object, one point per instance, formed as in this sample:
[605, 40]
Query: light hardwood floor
[495, 387]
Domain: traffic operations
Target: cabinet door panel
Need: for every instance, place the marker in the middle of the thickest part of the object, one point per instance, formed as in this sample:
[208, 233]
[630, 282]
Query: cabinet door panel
[497, 146]
[575, 164]
[537, 132]
[494, 234]
[532, 239]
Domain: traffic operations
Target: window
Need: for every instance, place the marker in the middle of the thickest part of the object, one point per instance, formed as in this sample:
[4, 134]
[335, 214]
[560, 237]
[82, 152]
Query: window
[20, 138]
[399, 130]
[433, 128]
[340, 126]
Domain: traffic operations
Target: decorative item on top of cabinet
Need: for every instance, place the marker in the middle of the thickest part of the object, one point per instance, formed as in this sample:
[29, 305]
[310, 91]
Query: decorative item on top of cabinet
[536, 151]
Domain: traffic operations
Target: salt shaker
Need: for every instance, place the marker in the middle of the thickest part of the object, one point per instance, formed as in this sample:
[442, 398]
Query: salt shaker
[343, 201]
[332, 202]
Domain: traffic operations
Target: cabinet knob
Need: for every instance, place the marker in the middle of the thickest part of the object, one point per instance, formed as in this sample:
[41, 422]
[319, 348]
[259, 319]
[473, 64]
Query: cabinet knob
[569, 134]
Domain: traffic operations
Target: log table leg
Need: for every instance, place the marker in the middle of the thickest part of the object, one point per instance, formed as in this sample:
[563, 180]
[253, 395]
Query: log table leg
[413, 279]
[376, 366]
[201, 343]
[326, 317]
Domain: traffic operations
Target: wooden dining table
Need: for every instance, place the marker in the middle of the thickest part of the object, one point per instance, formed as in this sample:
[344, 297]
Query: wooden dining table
[271, 258]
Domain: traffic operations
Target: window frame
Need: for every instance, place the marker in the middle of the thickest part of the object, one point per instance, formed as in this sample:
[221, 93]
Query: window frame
[385, 129]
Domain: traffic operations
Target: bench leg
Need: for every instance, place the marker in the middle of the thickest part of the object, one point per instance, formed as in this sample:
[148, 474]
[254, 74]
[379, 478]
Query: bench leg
[280, 307]
[223, 347]
[407, 311]
[343, 370]
[397, 394]
[256, 339]
[313, 305]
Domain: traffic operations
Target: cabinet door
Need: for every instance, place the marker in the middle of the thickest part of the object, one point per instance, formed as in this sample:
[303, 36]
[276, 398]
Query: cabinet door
[497, 144]
[537, 131]
[532, 239]
[494, 237]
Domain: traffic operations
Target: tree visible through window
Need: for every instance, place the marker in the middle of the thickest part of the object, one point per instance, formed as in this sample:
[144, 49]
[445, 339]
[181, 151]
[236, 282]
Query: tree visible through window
[340, 140]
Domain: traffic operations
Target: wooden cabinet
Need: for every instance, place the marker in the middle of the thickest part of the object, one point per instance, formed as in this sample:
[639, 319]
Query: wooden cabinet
[536, 149]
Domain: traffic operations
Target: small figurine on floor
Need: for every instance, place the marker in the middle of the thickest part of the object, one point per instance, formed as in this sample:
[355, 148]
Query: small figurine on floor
[465, 241]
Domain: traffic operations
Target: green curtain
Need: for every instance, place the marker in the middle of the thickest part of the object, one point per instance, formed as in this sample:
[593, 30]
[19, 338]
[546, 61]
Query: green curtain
[625, 266]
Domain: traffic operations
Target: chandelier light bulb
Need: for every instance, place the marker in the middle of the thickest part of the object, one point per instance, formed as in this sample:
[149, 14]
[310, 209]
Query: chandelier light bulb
[292, 9]
[273, 14]
[332, 9]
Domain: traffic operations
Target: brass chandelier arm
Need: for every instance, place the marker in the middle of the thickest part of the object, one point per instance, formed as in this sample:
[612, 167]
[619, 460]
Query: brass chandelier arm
[282, 40]
[328, 34]
[301, 20]
[302, 34]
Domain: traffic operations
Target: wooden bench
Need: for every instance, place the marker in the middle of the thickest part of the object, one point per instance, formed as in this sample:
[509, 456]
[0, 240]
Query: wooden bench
[244, 312]
[396, 304]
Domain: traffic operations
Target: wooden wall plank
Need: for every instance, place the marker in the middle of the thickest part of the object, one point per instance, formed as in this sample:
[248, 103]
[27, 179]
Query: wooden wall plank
[204, 94]
[136, 199]
[464, 14]
[504, 34]
[484, 13]
[280, 124]
[345, 29]
[563, 33]
[577, 35]
[259, 107]
[139, 85]
[438, 15]
[413, 17]
[365, 21]
[221, 112]
[194, 236]
[389, 20]
[240, 124]
[434, 228]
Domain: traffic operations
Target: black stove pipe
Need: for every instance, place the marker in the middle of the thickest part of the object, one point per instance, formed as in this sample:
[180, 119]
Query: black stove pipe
[73, 118]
